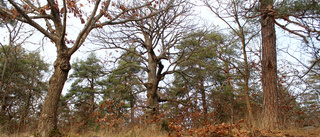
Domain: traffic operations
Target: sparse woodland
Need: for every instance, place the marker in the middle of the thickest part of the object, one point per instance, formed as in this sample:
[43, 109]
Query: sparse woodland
[160, 68]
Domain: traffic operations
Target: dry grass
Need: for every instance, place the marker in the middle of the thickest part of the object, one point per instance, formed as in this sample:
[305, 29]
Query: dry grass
[155, 132]
[134, 132]
[302, 132]
[16, 135]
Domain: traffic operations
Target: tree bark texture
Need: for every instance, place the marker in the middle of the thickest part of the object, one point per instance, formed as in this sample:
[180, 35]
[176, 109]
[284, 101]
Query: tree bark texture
[47, 126]
[154, 76]
[269, 67]
[152, 87]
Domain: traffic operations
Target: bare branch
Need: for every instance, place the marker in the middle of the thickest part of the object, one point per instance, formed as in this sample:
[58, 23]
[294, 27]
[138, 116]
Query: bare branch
[85, 31]
[31, 22]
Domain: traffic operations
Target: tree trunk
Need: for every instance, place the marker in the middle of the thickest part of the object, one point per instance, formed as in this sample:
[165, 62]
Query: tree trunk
[204, 102]
[152, 104]
[3, 101]
[269, 67]
[132, 111]
[246, 80]
[249, 108]
[92, 98]
[47, 126]
[231, 96]
[246, 75]
[152, 95]
[25, 111]
[154, 77]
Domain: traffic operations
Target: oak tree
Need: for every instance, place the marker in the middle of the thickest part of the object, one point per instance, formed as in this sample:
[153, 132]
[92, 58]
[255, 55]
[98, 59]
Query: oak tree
[153, 41]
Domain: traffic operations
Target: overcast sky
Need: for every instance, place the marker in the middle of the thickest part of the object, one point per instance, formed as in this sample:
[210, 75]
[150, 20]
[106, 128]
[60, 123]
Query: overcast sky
[204, 17]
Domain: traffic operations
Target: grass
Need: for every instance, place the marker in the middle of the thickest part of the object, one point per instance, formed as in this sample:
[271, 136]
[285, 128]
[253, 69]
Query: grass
[134, 132]
[155, 132]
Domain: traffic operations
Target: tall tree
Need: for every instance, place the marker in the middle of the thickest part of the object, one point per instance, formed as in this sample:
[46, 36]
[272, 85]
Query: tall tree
[269, 66]
[201, 67]
[21, 77]
[231, 14]
[21, 85]
[153, 38]
[301, 14]
[87, 75]
[208, 73]
[50, 18]
[123, 82]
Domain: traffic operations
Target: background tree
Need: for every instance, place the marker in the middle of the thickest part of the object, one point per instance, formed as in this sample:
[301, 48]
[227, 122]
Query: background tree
[123, 82]
[201, 67]
[84, 90]
[21, 79]
[231, 13]
[207, 77]
[22, 86]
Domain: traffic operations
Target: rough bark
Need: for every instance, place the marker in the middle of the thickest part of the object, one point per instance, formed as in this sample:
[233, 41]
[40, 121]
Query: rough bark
[269, 67]
[154, 76]
[47, 126]
[152, 103]
[152, 86]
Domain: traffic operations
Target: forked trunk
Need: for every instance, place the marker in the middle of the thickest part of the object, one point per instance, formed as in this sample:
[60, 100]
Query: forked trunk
[269, 67]
[47, 126]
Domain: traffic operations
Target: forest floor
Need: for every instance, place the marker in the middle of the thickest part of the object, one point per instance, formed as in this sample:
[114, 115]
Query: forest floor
[298, 132]
[301, 132]
[140, 132]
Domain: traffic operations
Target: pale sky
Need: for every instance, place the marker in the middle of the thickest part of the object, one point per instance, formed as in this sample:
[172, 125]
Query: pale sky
[205, 17]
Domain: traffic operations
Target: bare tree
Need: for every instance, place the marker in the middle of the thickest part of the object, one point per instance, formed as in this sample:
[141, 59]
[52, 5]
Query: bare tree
[153, 41]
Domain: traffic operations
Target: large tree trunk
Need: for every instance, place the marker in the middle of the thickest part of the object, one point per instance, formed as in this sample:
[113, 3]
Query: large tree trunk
[269, 67]
[152, 103]
[47, 126]
[154, 77]
[152, 86]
